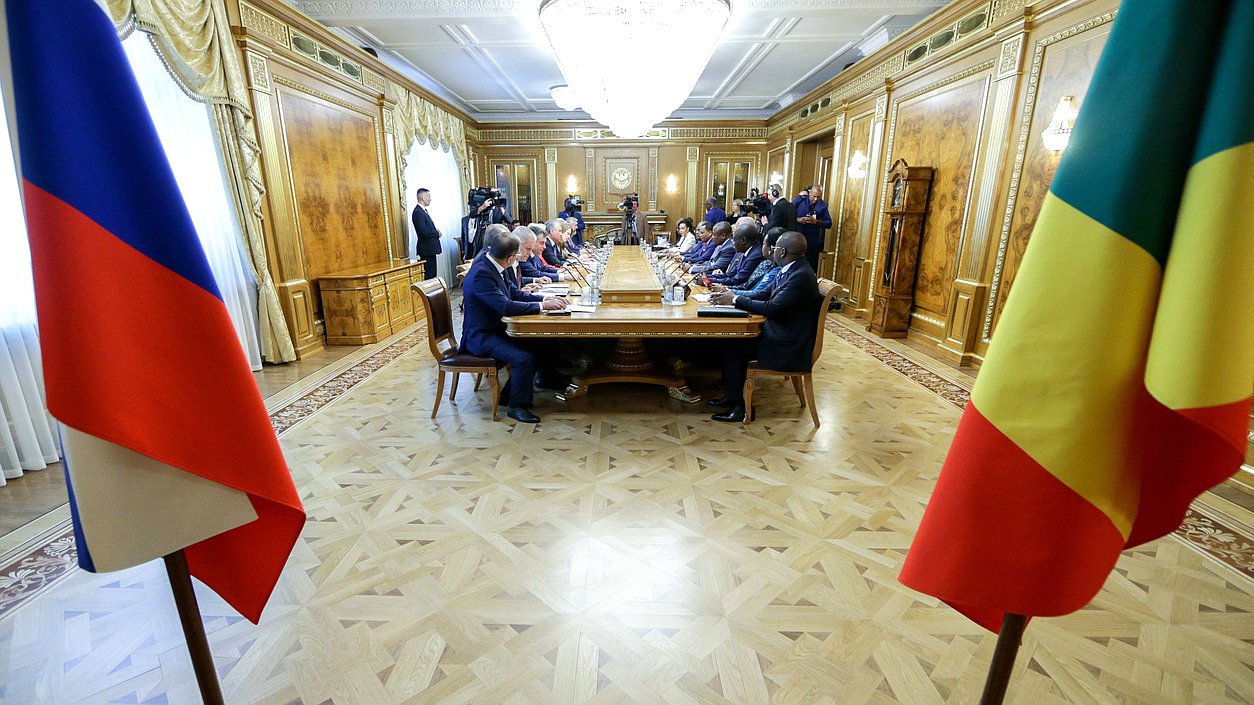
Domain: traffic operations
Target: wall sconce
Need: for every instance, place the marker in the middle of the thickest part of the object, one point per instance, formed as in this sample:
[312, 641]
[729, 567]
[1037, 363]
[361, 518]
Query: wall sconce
[1056, 136]
[857, 165]
[671, 184]
[571, 184]
[776, 178]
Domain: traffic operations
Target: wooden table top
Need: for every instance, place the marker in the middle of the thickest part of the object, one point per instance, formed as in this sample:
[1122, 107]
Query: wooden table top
[627, 274]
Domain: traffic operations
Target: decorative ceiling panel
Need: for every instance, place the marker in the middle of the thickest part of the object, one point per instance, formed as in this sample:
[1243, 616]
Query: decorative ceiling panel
[490, 57]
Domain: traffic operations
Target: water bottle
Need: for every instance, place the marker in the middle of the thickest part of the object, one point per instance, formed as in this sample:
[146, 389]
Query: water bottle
[666, 293]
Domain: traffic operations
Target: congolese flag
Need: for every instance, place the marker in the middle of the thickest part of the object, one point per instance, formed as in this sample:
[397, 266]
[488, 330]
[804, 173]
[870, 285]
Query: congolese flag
[1117, 387]
[167, 442]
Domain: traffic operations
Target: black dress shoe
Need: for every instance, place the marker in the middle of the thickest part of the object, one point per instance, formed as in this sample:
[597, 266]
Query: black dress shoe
[557, 383]
[523, 415]
[736, 415]
[720, 403]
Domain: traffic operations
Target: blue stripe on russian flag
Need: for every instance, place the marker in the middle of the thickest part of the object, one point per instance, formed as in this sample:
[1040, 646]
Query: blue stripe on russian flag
[89, 86]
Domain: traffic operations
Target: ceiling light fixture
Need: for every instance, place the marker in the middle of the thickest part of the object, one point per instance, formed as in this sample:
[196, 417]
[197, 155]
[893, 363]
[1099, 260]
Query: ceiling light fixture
[1056, 136]
[564, 97]
[644, 59]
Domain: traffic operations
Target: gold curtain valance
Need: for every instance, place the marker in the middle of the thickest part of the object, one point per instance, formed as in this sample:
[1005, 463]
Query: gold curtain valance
[420, 120]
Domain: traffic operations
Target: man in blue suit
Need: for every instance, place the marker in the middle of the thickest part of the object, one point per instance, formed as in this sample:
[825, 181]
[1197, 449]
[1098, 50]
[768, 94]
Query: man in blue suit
[704, 247]
[791, 308]
[714, 214]
[813, 219]
[488, 297]
[723, 253]
[747, 240]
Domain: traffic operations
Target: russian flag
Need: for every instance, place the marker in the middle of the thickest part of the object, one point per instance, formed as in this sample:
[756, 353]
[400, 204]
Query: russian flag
[167, 442]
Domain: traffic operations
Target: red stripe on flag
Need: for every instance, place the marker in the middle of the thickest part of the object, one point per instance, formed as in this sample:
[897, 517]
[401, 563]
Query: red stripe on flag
[1185, 453]
[137, 355]
[1001, 534]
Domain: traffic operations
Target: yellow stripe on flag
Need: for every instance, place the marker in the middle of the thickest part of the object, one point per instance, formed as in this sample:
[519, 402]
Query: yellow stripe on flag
[1207, 289]
[1074, 332]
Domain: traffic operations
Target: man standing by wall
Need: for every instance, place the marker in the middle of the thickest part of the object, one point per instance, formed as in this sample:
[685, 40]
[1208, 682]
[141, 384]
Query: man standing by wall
[714, 214]
[428, 234]
[813, 220]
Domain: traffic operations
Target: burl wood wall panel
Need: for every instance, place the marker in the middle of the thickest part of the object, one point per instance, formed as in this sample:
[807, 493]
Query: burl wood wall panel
[1066, 69]
[940, 129]
[333, 153]
[858, 133]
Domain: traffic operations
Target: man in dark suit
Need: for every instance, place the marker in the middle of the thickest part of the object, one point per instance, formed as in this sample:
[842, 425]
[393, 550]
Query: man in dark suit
[556, 237]
[713, 214]
[791, 308]
[428, 234]
[813, 219]
[571, 209]
[783, 213]
[747, 240]
[489, 296]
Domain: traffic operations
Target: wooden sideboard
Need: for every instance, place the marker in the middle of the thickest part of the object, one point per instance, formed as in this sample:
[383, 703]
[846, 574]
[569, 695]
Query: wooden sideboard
[367, 304]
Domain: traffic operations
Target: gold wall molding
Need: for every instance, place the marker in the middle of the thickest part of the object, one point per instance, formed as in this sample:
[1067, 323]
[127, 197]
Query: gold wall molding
[652, 178]
[954, 78]
[1016, 174]
[1002, 8]
[297, 85]
[840, 125]
[718, 133]
[1010, 57]
[389, 125]
[590, 165]
[373, 81]
[536, 135]
[949, 36]
[881, 108]
[265, 23]
[318, 52]
[657, 133]
[258, 73]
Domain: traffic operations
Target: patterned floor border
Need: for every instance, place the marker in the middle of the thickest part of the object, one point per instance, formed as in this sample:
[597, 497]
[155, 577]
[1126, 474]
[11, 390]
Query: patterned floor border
[1212, 535]
[53, 556]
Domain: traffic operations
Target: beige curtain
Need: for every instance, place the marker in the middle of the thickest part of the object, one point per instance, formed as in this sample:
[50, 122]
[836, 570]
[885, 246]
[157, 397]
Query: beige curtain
[193, 38]
[422, 121]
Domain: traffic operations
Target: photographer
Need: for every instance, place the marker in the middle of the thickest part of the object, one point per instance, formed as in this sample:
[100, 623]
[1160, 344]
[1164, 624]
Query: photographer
[571, 209]
[486, 207]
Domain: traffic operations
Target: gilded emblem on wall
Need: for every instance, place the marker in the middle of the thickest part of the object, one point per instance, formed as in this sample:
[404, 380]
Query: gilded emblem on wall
[621, 178]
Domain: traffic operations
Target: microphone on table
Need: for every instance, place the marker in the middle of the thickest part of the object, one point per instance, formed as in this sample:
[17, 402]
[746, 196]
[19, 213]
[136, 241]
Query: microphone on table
[579, 277]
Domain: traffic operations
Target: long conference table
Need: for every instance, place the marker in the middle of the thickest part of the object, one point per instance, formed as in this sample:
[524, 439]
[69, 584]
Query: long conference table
[631, 310]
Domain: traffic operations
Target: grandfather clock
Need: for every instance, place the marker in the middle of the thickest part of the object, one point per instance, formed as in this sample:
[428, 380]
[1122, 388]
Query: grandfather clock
[906, 210]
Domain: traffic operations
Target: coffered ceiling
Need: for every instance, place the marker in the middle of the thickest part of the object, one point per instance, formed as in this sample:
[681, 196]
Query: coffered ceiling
[491, 58]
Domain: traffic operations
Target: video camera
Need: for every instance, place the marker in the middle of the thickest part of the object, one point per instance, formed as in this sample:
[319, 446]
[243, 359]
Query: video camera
[630, 203]
[478, 196]
[759, 205]
[573, 203]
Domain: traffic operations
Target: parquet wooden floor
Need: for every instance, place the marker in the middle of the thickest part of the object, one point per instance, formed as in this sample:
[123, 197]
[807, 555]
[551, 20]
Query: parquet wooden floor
[627, 550]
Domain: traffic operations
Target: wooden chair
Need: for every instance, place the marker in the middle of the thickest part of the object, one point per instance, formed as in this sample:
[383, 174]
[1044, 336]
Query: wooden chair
[828, 289]
[443, 342]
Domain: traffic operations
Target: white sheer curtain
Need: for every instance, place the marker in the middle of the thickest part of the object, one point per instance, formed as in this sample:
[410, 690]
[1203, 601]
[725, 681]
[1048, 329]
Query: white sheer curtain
[187, 133]
[433, 168]
[26, 436]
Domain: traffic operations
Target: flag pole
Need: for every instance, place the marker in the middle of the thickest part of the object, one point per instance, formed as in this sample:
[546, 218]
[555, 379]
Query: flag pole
[1003, 664]
[194, 628]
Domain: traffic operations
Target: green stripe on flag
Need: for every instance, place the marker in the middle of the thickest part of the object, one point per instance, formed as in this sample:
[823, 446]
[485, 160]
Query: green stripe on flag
[1134, 140]
[1229, 118]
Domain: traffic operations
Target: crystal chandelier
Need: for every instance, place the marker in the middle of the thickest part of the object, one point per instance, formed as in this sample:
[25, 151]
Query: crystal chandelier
[631, 63]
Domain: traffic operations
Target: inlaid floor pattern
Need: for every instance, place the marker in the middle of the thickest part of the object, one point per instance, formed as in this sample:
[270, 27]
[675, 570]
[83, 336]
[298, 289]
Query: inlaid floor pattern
[627, 550]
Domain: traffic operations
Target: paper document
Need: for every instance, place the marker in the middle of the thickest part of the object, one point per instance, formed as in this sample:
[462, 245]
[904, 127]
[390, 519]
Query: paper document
[581, 308]
[701, 298]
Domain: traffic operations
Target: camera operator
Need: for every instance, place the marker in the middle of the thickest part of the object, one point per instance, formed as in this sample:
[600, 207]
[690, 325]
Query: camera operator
[571, 209]
[783, 212]
[486, 207]
[629, 206]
